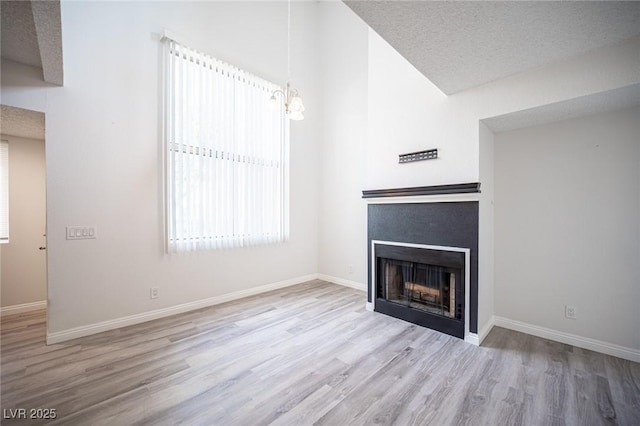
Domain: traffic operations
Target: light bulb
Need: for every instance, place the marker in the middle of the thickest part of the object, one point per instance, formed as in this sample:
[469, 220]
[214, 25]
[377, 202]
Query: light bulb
[295, 104]
[296, 115]
[273, 102]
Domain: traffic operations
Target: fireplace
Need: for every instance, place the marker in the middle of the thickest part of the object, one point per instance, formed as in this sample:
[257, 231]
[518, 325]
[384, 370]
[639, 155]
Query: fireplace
[421, 284]
[423, 256]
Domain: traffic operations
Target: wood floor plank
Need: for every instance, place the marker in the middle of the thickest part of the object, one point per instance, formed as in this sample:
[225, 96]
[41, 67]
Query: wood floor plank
[303, 355]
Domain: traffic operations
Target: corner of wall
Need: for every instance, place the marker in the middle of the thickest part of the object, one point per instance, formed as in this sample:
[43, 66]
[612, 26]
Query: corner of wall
[486, 230]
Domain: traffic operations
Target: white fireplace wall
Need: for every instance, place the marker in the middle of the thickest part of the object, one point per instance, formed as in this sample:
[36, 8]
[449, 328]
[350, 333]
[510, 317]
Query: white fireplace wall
[402, 111]
[567, 203]
[407, 113]
[486, 233]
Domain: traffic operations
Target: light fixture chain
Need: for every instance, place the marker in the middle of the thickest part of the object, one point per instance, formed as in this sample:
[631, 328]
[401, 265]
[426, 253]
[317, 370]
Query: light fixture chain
[289, 40]
[291, 99]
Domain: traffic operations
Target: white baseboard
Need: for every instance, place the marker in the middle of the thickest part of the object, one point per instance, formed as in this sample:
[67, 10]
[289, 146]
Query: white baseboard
[570, 339]
[24, 307]
[343, 282]
[486, 329]
[369, 306]
[86, 330]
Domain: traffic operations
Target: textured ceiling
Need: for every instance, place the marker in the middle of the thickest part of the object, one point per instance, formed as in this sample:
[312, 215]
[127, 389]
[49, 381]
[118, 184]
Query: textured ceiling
[19, 39]
[459, 45]
[624, 97]
[21, 122]
[32, 35]
[48, 25]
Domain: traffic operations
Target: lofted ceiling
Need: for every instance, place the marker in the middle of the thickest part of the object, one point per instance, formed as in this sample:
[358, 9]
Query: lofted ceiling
[459, 45]
[21, 122]
[32, 35]
[19, 40]
[456, 44]
[611, 100]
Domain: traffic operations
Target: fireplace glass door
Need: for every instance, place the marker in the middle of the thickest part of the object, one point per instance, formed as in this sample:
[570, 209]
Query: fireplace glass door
[427, 288]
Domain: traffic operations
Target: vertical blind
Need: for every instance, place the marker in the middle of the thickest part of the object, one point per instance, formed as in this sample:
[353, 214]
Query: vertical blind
[226, 154]
[4, 192]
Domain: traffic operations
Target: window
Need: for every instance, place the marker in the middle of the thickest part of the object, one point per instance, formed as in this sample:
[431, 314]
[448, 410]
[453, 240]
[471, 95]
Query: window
[4, 192]
[226, 155]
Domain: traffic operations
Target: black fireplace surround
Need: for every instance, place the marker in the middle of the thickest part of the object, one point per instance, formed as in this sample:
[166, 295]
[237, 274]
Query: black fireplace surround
[448, 224]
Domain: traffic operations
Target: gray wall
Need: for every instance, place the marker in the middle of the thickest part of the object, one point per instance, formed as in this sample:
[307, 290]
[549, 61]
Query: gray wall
[567, 203]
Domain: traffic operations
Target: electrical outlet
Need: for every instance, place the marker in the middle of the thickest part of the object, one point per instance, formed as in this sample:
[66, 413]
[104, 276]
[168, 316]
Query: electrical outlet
[155, 292]
[350, 269]
[570, 312]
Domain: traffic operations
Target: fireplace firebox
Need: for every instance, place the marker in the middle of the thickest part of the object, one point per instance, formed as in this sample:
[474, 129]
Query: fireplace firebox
[420, 285]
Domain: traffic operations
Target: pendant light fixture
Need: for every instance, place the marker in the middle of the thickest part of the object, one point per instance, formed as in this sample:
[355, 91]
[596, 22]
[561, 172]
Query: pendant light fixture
[293, 105]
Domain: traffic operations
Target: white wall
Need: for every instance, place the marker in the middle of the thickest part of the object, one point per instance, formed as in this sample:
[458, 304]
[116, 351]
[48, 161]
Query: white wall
[486, 232]
[567, 202]
[103, 154]
[408, 113]
[23, 266]
[343, 233]
[106, 119]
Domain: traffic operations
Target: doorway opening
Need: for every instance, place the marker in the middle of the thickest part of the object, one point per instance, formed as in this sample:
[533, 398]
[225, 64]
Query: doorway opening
[23, 245]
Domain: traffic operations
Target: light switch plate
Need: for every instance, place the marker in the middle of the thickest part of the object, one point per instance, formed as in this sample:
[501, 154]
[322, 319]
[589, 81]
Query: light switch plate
[81, 233]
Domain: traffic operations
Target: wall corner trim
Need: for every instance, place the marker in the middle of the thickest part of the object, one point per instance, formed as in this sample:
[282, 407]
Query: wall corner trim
[86, 330]
[24, 307]
[341, 281]
[486, 329]
[607, 348]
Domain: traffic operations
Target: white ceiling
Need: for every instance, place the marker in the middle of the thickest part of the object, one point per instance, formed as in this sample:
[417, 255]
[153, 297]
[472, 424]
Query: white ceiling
[31, 34]
[19, 40]
[21, 122]
[459, 45]
[624, 97]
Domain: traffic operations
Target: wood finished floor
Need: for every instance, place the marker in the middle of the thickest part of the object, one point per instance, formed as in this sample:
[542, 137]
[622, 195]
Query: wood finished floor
[309, 354]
